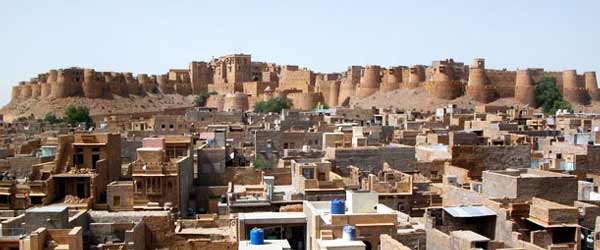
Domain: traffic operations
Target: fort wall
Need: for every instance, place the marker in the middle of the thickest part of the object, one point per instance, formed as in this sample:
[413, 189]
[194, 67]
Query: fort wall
[591, 85]
[392, 78]
[479, 85]
[370, 81]
[443, 83]
[525, 87]
[573, 88]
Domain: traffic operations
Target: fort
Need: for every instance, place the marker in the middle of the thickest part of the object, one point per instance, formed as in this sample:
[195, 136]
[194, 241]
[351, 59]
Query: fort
[232, 74]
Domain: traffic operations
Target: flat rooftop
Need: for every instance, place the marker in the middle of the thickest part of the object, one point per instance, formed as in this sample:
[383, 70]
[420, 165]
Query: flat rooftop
[269, 245]
[47, 209]
[469, 211]
[272, 217]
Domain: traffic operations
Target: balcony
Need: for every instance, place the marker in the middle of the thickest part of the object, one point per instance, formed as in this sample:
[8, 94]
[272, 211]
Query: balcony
[154, 168]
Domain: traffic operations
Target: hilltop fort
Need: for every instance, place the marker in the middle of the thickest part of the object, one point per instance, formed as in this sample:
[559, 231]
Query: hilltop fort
[237, 83]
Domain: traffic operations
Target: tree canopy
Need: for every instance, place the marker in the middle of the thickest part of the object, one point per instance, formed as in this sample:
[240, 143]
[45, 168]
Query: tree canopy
[260, 162]
[275, 105]
[203, 98]
[51, 118]
[549, 97]
[77, 114]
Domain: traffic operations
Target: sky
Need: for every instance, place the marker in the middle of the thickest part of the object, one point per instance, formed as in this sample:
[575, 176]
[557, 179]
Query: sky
[325, 36]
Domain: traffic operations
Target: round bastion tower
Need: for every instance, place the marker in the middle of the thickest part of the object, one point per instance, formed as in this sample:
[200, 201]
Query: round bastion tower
[479, 86]
[93, 84]
[591, 85]
[303, 101]
[442, 84]
[146, 83]
[35, 88]
[236, 102]
[416, 75]
[60, 89]
[391, 79]
[163, 84]
[573, 89]
[25, 90]
[16, 93]
[132, 84]
[525, 87]
[347, 91]
[51, 81]
[334, 91]
[370, 81]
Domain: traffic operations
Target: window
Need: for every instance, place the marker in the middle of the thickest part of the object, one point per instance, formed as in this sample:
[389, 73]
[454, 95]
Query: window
[78, 158]
[162, 126]
[139, 186]
[117, 201]
[308, 173]
[4, 199]
[171, 126]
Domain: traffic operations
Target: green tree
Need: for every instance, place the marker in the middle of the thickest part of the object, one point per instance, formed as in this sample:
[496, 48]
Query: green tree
[77, 114]
[203, 98]
[321, 106]
[51, 118]
[275, 105]
[549, 98]
[22, 119]
[260, 162]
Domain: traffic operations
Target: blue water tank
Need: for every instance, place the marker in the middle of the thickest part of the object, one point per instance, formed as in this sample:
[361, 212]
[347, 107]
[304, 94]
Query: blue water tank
[349, 232]
[338, 206]
[257, 236]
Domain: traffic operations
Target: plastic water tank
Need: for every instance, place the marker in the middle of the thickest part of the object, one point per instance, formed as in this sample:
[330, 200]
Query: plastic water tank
[349, 233]
[338, 206]
[257, 236]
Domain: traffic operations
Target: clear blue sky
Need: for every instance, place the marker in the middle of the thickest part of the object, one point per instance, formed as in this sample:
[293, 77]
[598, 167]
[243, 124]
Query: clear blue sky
[153, 36]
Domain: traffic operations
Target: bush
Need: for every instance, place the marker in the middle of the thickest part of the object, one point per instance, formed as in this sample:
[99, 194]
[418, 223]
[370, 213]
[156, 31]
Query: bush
[77, 114]
[275, 105]
[22, 119]
[549, 98]
[51, 118]
[260, 162]
[203, 98]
